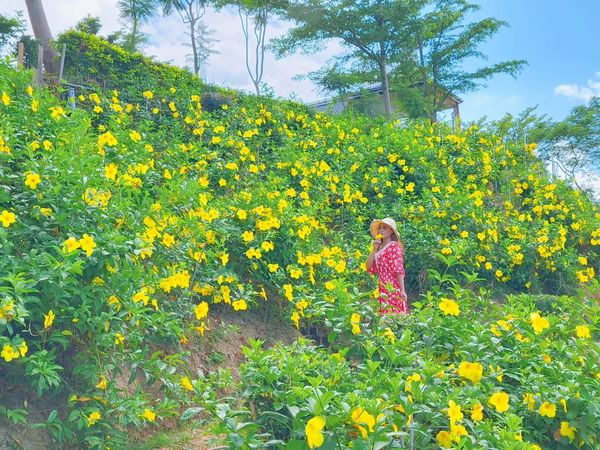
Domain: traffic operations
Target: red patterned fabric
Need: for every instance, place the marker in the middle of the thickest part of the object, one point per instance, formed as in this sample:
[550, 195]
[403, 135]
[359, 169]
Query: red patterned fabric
[389, 262]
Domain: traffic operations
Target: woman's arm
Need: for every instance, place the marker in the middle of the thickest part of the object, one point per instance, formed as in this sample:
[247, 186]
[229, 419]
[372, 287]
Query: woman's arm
[371, 258]
[402, 292]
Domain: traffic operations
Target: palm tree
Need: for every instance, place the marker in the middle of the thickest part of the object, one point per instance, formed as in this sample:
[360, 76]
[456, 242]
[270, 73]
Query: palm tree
[41, 31]
[137, 12]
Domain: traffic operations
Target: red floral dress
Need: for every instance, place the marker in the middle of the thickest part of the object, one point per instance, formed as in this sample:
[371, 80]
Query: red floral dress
[389, 262]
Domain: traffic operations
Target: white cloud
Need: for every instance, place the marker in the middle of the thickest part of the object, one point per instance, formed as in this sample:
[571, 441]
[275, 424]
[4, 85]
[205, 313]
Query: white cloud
[576, 91]
[167, 35]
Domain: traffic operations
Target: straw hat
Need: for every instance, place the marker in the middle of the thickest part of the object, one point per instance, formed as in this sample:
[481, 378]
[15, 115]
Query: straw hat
[388, 221]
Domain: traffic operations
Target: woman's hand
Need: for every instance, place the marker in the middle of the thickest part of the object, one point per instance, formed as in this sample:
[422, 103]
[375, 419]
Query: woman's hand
[376, 245]
[403, 295]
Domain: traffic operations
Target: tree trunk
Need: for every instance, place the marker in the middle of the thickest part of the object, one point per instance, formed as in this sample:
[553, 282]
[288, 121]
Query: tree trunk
[385, 87]
[425, 81]
[41, 32]
[193, 20]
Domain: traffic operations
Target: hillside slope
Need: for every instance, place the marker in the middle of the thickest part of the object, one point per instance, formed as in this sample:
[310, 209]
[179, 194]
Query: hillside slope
[127, 225]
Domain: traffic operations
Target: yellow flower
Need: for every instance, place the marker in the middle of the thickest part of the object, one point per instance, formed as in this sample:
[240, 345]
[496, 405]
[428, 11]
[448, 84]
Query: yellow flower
[23, 349]
[267, 246]
[563, 403]
[314, 431]
[477, 412]
[547, 409]
[449, 307]
[102, 383]
[362, 417]
[500, 401]
[457, 431]
[32, 180]
[57, 112]
[288, 292]
[529, 399]
[224, 258]
[411, 379]
[87, 244]
[454, 412]
[567, 430]
[201, 310]
[119, 339]
[70, 245]
[5, 99]
[583, 332]
[471, 371]
[538, 322]
[149, 415]
[9, 353]
[388, 333]
[7, 218]
[355, 321]
[187, 384]
[240, 305]
[135, 136]
[93, 418]
[168, 240]
[110, 171]
[444, 439]
[48, 319]
[148, 95]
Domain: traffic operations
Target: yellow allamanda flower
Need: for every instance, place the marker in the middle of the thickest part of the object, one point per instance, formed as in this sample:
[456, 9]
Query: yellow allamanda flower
[538, 322]
[454, 412]
[87, 244]
[567, 430]
[477, 412]
[361, 417]
[186, 384]
[547, 409]
[93, 418]
[471, 371]
[444, 439]
[48, 319]
[314, 431]
[149, 415]
[7, 218]
[111, 170]
[499, 400]
[583, 332]
[449, 307]
[355, 322]
[6, 99]
[239, 305]
[9, 353]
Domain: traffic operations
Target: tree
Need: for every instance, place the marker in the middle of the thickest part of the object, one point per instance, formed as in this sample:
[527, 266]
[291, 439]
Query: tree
[445, 39]
[254, 17]
[375, 32]
[191, 13]
[204, 49]
[41, 31]
[89, 25]
[573, 143]
[137, 12]
[11, 28]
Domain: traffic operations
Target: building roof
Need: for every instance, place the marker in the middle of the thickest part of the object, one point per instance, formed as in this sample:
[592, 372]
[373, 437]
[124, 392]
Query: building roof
[373, 89]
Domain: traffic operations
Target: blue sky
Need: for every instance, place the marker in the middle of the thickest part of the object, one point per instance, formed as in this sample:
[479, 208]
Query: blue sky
[561, 41]
[559, 38]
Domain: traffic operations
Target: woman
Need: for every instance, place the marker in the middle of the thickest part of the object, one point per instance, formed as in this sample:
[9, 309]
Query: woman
[387, 261]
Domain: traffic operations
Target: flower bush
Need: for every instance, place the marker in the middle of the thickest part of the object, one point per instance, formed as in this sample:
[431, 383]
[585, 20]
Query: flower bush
[436, 380]
[130, 222]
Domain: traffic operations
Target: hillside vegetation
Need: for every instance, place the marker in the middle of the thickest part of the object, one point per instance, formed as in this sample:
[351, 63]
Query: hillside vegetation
[130, 222]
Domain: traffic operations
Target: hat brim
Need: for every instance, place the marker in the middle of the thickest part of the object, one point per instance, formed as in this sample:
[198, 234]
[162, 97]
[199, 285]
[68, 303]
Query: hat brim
[375, 224]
